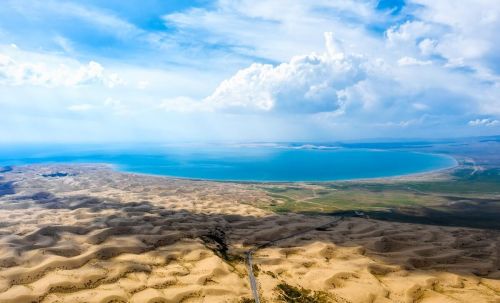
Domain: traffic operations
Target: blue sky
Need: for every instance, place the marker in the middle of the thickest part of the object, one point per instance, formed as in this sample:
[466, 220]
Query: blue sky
[241, 70]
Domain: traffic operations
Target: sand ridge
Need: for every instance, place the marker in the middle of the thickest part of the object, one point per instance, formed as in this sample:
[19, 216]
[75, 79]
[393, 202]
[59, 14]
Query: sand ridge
[96, 235]
[373, 261]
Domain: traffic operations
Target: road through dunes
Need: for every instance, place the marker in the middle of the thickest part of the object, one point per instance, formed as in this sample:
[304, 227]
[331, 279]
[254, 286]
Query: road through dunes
[95, 235]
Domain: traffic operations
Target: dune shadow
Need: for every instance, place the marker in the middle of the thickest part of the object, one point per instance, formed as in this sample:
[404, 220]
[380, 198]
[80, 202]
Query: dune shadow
[5, 169]
[112, 228]
[146, 222]
[6, 188]
[463, 213]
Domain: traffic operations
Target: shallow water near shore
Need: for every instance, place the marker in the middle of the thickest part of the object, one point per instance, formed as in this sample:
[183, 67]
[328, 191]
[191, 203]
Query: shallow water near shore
[237, 163]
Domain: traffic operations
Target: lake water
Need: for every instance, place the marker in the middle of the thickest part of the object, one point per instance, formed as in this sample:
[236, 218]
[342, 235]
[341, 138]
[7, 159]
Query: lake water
[258, 163]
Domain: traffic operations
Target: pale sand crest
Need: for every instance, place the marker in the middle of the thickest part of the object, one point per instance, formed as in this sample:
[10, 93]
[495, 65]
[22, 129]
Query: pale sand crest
[101, 236]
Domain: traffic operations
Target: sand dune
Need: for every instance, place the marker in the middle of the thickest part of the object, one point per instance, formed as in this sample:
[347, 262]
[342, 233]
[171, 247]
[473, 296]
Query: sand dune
[95, 235]
[363, 260]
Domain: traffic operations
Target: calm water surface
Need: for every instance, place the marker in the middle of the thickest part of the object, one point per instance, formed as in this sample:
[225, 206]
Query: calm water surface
[236, 163]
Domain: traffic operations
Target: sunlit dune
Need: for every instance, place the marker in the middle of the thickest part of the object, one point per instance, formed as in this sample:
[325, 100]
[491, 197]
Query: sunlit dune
[148, 239]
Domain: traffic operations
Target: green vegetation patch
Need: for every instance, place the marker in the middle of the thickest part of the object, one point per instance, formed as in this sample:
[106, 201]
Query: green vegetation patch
[468, 198]
[292, 294]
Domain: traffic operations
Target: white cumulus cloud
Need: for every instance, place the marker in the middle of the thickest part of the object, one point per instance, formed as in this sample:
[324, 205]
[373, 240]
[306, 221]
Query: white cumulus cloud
[24, 68]
[305, 84]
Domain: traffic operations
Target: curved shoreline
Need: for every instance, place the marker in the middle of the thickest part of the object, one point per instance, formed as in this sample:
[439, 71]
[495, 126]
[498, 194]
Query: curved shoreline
[116, 168]
[390, 177]
[449, 163]
[410, 175]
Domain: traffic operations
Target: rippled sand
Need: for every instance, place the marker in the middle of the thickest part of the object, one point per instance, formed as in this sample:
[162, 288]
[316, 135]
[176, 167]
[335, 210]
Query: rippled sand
[95, 235]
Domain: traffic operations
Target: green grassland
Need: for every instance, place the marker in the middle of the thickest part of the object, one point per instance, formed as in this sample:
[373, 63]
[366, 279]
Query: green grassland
[329, 200]
[465, 197]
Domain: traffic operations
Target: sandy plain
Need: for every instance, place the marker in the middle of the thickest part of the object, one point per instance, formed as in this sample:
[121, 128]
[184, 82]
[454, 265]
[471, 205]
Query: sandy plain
[86, 233]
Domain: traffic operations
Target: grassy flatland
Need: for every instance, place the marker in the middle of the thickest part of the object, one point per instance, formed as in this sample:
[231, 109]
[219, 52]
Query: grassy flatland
[467, 196]
[347, 198]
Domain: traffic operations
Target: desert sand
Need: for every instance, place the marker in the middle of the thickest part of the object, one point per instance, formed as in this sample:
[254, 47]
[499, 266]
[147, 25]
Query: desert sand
[86, 233]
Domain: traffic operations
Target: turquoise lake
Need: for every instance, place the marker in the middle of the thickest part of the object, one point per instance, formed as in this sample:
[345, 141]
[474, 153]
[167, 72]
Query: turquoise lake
[260, 163]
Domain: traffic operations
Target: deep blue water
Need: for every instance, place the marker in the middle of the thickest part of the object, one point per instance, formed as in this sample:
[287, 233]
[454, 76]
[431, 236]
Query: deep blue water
[236, 163]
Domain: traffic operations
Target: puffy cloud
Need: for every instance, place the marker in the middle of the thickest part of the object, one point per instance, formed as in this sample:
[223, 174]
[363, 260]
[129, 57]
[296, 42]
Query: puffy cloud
[351, 89]
[23, 68]
[305, 84]
[244, 65]
[484, 122]
[463, 33]
[420, 89]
